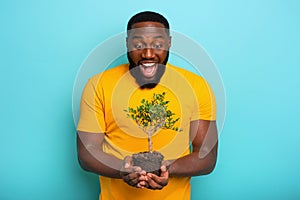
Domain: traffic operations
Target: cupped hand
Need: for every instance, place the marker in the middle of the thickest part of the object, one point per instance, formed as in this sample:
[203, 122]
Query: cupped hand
[155, 182]
[132, 175]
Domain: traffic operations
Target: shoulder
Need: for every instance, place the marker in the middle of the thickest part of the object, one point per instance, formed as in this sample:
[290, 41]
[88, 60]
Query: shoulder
[110, 74]
[188, 75]
[118, 70]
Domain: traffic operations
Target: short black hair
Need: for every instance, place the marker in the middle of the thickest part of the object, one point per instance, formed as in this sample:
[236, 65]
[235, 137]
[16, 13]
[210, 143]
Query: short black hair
[147, 16]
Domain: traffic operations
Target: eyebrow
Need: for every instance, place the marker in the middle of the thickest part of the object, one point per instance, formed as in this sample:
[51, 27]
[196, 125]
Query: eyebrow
[141, 37]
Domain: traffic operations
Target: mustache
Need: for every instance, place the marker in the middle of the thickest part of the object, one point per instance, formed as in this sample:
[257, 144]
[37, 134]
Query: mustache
[139, 77]
[142, 81]
[133, 65]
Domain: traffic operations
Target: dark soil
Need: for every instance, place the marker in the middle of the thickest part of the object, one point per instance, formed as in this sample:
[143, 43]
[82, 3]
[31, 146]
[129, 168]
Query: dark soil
[148, 161]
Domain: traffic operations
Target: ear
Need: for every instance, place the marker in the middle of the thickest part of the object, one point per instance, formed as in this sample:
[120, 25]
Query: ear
[127, 42]
[170, 41]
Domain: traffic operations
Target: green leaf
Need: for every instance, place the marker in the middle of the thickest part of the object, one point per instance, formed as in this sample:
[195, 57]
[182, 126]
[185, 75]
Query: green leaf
[153, 114]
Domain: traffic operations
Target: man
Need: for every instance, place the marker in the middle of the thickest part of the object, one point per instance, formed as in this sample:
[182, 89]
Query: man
[107, 138]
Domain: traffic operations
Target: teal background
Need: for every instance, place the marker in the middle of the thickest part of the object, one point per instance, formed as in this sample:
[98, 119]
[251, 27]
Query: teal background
[255, 45]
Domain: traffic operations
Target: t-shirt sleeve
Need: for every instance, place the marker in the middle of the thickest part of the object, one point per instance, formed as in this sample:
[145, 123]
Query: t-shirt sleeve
[92, 108]
[205, 101]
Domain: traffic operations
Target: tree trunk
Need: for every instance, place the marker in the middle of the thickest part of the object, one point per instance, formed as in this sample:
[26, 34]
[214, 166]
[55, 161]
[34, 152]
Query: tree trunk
[149, 143]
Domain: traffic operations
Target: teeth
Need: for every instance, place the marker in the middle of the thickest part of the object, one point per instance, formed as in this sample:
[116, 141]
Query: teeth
[148, 64]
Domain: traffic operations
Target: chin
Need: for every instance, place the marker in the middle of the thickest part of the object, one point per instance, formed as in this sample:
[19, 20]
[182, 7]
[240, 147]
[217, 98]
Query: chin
[146, 83]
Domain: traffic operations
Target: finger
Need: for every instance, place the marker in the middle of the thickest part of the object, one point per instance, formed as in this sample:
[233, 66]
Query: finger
[153, 177]
[131, 179]
[162, 180]
[163, 168]
[143, 172]
[142, 184]
[142, 178]
[125, 168]
[127, 162]
[165, 163]
[164, 172]
[152, 184]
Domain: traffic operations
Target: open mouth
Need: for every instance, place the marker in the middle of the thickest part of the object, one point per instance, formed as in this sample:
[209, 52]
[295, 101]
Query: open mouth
[148, 69]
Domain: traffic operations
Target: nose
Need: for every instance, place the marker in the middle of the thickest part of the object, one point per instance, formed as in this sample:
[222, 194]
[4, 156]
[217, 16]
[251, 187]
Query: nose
[148, 53]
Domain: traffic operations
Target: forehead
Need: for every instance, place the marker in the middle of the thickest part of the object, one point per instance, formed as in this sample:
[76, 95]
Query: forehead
[148, 29]
[147, 24]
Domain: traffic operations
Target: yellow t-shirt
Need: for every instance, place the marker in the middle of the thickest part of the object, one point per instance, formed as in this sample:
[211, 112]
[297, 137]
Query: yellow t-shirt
[108, 94]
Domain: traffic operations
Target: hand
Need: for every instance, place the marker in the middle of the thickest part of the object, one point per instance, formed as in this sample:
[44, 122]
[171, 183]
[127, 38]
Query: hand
[158, 182]
[132, 175]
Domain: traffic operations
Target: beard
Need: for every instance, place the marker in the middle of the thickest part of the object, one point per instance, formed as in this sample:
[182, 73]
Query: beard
[139, 77]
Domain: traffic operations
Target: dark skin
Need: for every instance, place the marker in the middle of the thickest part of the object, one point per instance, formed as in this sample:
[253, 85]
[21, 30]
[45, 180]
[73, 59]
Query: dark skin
[93, 159]
[151, 48]
[148, 44]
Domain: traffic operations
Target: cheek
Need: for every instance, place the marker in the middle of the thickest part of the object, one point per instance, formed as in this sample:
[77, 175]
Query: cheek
[135, 56]
[163, 55]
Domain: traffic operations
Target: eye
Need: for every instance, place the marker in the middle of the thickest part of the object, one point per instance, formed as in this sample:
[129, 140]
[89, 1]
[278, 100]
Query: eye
[138, 46]
[157, 46]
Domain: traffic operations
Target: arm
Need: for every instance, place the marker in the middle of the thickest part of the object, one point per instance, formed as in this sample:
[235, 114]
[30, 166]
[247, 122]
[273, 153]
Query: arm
[92, 158]
[201, 161]
[89, 144]
[203, 157]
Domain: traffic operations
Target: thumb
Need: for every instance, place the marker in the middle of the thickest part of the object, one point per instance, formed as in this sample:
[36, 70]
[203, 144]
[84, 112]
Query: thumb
[164, 171]
[163, 168]
[127, 162]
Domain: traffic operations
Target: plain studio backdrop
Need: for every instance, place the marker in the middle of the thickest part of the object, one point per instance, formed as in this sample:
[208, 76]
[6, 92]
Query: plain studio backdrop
[254, 45]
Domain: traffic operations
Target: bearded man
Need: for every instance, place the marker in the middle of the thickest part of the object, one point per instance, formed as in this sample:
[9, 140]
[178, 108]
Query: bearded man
[107, 138]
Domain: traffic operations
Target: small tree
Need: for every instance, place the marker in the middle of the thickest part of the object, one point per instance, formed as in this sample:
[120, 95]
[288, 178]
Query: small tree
[153, 115]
